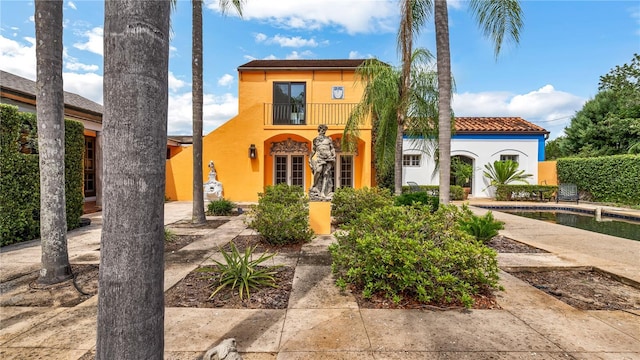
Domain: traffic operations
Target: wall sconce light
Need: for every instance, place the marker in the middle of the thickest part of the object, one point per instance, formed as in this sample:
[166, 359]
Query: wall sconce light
[253, 152]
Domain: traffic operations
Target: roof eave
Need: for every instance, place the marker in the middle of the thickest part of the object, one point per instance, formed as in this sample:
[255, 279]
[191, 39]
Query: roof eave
[500, 132]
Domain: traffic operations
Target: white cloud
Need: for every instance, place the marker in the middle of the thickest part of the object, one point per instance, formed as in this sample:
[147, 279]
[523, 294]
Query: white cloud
[295, 41]
[94, 41]
[351, 16]
[226, 80]
[72, 5]
[17, 58]
[216, 111]
[294, 55]
[260, 37]
[175, 84]
[71, 63]
[356, 55]
[635, 14]
[88, 85]
[76, 66]
[547, 107]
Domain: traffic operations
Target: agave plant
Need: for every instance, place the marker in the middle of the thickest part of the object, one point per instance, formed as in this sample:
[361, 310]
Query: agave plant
[505, 172]
[241, 271]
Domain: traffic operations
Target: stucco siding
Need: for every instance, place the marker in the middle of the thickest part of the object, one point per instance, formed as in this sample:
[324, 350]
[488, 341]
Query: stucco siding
[482, 150]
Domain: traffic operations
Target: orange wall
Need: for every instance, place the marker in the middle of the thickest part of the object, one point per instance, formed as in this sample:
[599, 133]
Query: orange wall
[547, 173]
[228, 145]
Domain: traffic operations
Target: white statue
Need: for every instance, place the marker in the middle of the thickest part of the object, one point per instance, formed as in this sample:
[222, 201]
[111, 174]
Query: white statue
[226, 350]
[213, 187]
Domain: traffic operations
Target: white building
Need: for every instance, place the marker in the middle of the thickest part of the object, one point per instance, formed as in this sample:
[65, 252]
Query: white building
[479, 141]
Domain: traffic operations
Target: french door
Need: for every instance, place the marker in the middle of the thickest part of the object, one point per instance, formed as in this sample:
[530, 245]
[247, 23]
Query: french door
[289, 169]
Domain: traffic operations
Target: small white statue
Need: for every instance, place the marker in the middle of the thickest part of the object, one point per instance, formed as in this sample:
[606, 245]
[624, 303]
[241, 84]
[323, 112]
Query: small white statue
[226, 350]
[212, 188]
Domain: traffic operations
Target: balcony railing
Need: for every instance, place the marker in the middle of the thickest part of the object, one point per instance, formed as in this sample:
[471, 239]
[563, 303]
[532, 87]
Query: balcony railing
[307, 114]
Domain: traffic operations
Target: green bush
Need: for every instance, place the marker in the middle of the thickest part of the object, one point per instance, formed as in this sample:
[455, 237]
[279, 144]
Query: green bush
[409, 199]
[483, 228]
[348, 203]
[455, 192]
[282, 215]
[241, 271]
[525, 192]
[220, 207]
[404, 251]
[607, 178]
[20, 180]
[169, 235]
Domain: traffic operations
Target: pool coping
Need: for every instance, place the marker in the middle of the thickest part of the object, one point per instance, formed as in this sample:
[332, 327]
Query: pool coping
[604, 211]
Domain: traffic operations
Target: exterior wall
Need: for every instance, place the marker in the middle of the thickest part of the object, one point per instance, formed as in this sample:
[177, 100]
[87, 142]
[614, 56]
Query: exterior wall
[243, 178]
[483, 149]
[548, 173]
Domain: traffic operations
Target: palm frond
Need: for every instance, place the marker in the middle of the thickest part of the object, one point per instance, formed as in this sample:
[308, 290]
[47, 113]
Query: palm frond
[497, 17]
[226, 4]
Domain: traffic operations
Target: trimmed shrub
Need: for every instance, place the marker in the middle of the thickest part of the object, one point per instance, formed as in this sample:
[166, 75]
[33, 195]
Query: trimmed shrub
[410, 199]
[348, 203]
[403, 251]
[525, 192]
[20, 179]
[220, 207]
[607, 178]
[455, 192]
[282, 215]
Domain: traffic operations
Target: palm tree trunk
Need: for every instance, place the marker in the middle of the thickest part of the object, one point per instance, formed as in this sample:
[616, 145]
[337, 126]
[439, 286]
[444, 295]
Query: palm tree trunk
[406, 48]
[136, 59]
[397, 169]
[50, 114]
[443, 57]
[196, 96]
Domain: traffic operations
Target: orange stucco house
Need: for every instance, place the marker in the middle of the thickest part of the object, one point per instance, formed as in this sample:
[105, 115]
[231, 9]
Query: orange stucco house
[281, 103]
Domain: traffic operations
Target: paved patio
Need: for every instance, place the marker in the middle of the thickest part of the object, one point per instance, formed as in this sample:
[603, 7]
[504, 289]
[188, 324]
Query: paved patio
[322, 323]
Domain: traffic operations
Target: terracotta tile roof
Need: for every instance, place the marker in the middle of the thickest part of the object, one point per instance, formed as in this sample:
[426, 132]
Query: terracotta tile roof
[496, 125]
[15, 83]
[335, 64]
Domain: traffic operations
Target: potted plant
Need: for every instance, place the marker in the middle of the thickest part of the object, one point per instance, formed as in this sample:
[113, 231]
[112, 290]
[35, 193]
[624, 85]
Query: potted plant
[461, 173]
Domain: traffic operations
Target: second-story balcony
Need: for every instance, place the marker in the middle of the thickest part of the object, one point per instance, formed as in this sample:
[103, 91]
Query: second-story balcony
[307, 114]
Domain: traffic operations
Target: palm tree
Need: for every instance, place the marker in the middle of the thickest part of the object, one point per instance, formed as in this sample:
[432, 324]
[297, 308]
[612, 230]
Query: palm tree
[198, 216]
[381, 100]
[495, 17]
[131, 301]
[50, 117]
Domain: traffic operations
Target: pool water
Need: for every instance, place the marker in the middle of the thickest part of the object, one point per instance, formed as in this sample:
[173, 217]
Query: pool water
[607, 226]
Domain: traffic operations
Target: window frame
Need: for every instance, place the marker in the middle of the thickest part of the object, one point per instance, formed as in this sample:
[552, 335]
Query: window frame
[411, 160]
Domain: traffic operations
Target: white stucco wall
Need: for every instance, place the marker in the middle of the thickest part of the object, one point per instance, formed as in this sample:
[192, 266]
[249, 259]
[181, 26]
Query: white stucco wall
[482, 151]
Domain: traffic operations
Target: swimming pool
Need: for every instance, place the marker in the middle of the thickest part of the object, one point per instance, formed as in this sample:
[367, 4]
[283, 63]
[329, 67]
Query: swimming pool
[579, 218]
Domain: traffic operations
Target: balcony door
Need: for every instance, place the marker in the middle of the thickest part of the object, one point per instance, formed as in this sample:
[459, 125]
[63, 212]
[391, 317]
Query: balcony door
[289, 103]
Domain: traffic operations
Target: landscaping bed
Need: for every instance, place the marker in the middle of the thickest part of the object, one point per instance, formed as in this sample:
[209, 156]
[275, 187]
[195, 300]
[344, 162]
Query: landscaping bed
[584, 289]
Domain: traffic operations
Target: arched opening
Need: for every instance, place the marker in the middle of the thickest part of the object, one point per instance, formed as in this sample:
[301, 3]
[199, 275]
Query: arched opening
[462, 170]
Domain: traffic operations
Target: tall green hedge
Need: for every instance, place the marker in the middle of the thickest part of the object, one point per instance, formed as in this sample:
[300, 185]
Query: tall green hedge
[20, 179]
[607, 178]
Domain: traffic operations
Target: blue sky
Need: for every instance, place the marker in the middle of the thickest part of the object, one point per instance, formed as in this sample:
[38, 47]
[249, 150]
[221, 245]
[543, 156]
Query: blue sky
[565, 47]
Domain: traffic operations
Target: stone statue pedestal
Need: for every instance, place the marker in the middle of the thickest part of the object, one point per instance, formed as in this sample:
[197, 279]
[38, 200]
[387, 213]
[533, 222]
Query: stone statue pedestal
[320, 217]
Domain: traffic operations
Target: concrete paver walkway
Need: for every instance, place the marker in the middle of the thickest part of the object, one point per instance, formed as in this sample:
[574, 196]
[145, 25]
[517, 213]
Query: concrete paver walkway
[323, 323]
